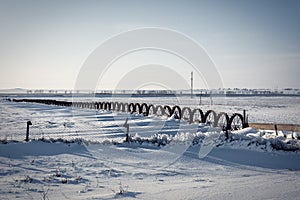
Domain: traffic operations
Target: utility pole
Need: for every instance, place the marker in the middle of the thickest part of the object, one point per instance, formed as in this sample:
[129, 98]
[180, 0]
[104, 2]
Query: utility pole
[191, 85]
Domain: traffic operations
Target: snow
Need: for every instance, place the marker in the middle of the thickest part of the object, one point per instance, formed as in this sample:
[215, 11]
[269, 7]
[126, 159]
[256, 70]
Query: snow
[80, 154]
[98, 171]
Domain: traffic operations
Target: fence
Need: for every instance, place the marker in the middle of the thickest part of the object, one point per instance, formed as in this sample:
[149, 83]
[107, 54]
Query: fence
[234, 122]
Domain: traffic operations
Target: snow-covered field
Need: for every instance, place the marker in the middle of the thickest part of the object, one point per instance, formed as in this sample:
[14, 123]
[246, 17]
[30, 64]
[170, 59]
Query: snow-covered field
[39, 170]
[167, 158]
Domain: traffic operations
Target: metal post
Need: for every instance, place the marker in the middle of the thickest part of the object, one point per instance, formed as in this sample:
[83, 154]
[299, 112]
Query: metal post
[27, 131]
[276, 130]
[245, 122]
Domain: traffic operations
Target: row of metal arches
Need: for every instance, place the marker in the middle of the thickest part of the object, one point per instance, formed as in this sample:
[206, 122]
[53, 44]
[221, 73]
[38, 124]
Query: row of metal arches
[210, 117]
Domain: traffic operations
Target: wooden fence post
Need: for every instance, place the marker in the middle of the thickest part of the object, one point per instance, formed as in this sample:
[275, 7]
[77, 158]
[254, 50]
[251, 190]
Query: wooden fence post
[27, 131]
[126, 125]
[276, 130]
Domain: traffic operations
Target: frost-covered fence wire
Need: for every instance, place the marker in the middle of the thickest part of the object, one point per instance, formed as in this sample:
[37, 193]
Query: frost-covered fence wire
[67, 130]
[59, 121]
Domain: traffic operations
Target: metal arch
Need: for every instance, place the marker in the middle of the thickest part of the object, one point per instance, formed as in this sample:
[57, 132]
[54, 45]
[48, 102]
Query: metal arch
[189, 117]
[107, 106]
[138, 108]
[201, 115]
[236, 121]
[207, 115]
[168, 111]
[132, 108]
[223, 121]
[125, 107]
[176, 109]
[153, 108]
[113, 105]
[159, 108]
[144, 106]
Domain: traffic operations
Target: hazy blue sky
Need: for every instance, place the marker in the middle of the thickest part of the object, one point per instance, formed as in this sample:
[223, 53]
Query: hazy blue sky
[254, 43]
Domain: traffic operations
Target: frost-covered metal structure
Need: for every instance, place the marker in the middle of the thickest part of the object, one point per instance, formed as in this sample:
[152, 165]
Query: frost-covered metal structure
[234, 122]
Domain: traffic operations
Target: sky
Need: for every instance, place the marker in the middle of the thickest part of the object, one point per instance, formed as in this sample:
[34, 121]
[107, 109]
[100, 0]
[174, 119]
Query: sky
[253, 44]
